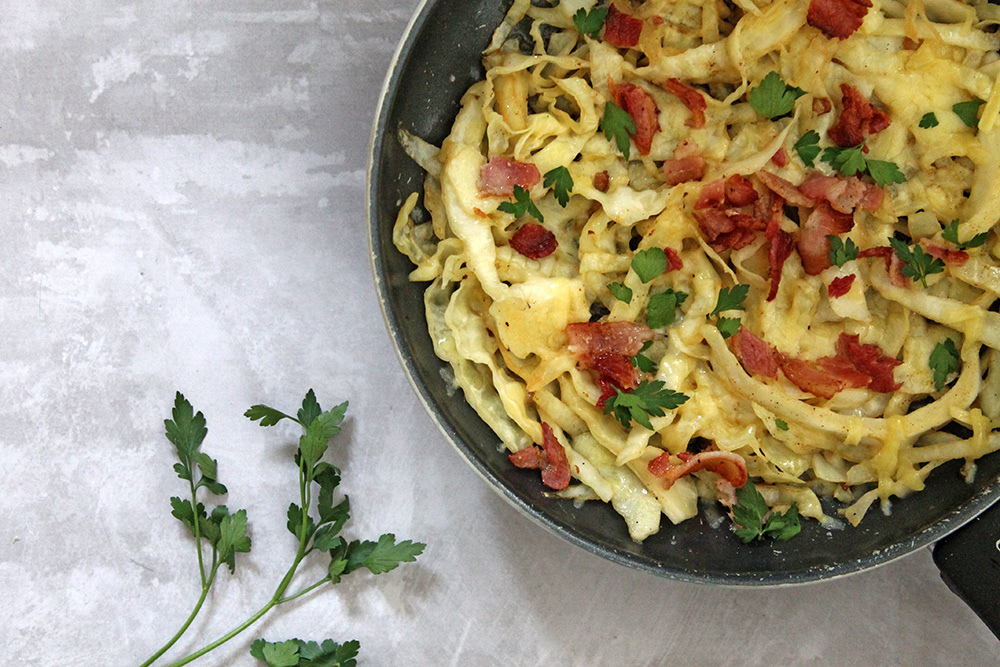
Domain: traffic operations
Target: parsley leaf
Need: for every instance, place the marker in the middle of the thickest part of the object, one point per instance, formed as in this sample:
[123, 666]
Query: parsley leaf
[590, 23]
[884, 172]
[621, 292]
[944, 361]
[618, 126]
[917, 263]
[781, 424]
[950, 234]
[773, 97]
[929, 120]
[661, 310]
[841, 252]
[729, 326]
[561, 182]
[848, 161]
[522, 204]
[649, 398]
[649, 263]
[296, 652]
[749, 513]
[808, 147]
[276, 654]
[969, 112]
[731, 298]
[641, 361]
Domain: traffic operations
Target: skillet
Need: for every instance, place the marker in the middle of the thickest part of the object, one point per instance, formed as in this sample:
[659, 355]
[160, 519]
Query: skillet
[437, 60]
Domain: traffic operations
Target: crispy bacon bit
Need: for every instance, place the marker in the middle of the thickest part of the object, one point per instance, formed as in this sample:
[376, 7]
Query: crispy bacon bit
[550, 458]
[837, 18]
[822, 105]
[712, 195]
[500, 175]
[840, 286]
[605, 347]
[845, 194]
[674, 261]
[858, 119]
[883, 251]
[602, 180]
[756, 355]
[822, 382]
[947, 255]
[692, 99]
[780, 157]
[780, 250]
[730, 466]
[785, 189]
[740, 191]
[530, 457]
[731, 212]
[534, 241]
[684, 170]
[620, 29]
[813, 246]
[640, 105]
[870, 360]
[659, 466]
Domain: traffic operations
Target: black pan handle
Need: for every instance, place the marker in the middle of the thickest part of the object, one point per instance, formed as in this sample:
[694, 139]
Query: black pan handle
[969, 560]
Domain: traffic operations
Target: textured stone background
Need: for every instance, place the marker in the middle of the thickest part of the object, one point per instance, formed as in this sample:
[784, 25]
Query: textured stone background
[182, 202]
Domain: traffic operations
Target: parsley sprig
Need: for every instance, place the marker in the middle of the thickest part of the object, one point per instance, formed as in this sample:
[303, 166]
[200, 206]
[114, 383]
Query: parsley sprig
[774, 98]
[756, 520]
[618, 126]
[590, 23]
[969, 112]
[841, 252]
[650, 398]
[661, 310]
[851, 161]
[561, 182]
[641, 361]
[917, 262]
[522, 204]
[944, 361]
[296, 652]
[730, 298]
[808, 147]
[950, 234]
[928, 120]
[315, 521]
[649, 263]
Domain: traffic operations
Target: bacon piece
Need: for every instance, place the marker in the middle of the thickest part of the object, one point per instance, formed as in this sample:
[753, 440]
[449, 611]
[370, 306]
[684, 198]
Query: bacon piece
[500, 175]
[784, 189]
[608, 389]
[893, 264]
[620, 29]
[870, 360]
[601, 181]
[731, 212]
[732, 467]
[534, 241]
[674, 261]
[840, 286]
[740, 191]
[844, 370]
[813, 246]
[845, 194]
[729, 230]
[712, 195]
[660, 465]
[780, 250]
[684, 170]
[947, 255]
[837, 18]
[555, 470]
[605, 347]
[530, 457]
[808, 377]
[780, 157]
[640, 105]
[692, 99]
[757, 356]
[858, 119]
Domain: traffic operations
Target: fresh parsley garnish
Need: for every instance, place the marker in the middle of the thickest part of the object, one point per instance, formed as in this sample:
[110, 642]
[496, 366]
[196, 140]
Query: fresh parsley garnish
[749, 514]
[808, 147]
[731, 298]
[950, 234]
[884, 172]
[928, 120]
[641, 361]
[841, 251]
[661, 310]
[618, 126]
[944, 361]
[522, 204]
[968, 112]
[316, 524]
[781, 424]
[852, 161]
[729, 326]
[650, 398]
[773, 97]
[561, 182]
[649, 263]
[621, 292]
[917, 263]
[590, 23]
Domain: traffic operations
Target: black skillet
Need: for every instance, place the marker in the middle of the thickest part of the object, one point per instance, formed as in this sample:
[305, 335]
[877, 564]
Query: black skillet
[437, 60]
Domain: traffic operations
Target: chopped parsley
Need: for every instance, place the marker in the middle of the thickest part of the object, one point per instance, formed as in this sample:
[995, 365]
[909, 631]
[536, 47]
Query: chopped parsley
[618, 126]
[522, 204]
[781, 424]
[649, 263]
[650, 398]
[561, 182]
[852, 161]
[917, 263]
[590, 23]
[950, 234]
[841, 252]
[773, 97]
[749, 514]
[808, 147]
[731, 298]
[944, 361]
[928, 120]
[641, 361]
[729, 326]
[661, 310]
[621, 292]
[969, 112]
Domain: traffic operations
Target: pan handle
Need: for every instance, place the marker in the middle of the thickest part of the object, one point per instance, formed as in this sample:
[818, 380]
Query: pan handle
[969, 560]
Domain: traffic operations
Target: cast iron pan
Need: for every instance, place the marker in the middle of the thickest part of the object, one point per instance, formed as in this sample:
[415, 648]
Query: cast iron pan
[437, 60]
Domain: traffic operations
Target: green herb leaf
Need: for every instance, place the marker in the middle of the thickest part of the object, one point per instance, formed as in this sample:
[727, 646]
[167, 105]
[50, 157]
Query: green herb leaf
[233, 538]
[950, 234]
[267, 416]
[848, 161]
[522, 204]
[731, 298]
[841, 251]
[618, 126]
[781, 424]
[641, 361]
[276, 654]
[969, 112]
[301, 526]
[884, 172]
[749, 513]
[783, 525]
[186, 431]
[649, 263]
[773, 97]
[590, 23]
[808, 147]
[328, 654]
[621, 292]
[661, 310]
[561, 182]
[728, 326]
[928, 120]
[382, 556]
[944, 361]
[917, 263]
[321, 427]
[649, 398]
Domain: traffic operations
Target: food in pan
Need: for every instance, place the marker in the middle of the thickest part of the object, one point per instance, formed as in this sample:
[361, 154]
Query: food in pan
[738, 252]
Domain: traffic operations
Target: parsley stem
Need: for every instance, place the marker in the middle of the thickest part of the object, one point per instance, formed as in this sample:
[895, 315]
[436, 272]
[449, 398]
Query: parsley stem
[304, 591]
[190, 619]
